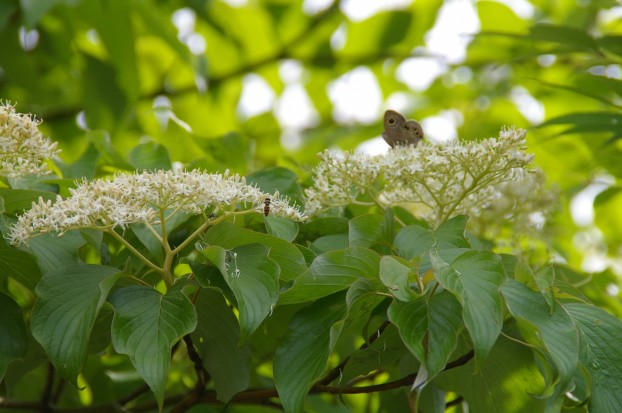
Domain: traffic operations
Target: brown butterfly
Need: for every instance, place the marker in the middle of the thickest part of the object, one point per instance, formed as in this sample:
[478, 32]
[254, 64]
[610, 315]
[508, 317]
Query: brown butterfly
[399, 131]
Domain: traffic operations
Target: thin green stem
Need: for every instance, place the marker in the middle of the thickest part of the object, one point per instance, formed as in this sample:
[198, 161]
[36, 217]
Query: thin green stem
[134, 251]
[168, 254]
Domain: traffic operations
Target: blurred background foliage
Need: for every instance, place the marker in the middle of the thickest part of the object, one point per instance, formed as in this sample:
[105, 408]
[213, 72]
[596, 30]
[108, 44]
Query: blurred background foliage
[249, 85]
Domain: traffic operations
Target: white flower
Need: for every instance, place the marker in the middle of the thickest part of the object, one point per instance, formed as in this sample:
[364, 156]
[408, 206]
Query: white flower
[132, 198]
[435, 182]
[23, 150]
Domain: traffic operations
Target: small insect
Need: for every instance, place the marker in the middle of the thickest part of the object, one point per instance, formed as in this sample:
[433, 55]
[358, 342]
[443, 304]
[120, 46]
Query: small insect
[266, 208]
[212, 215]
[399, 131]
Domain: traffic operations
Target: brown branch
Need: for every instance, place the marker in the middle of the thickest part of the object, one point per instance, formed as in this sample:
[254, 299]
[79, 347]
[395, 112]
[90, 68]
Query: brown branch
[258, 396]
[47, 390]
[202, 378]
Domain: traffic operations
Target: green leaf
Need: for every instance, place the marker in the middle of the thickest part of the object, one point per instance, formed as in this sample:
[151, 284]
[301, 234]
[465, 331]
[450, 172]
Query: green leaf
[329, 243]
[281, 227]
[254, 279]
[555, 329]
[19, 265]
[83, 167]
[589, 122]
[398, 278]
[429, 328]
[55, 252]
[18, 200]
[13, 335]
[301, 357]
[145, 326]
[601, 354]
[216, 338]
[416, 240]
[70, 299]
[545, 279]
[119, 41]
[278, 179]
[332, 272]
[566, 35]
[611, 43]
[287, 256]
[369, 229]
[150, 156]
[384, 351]
[505, 383]
[231, 151]
[362, 297]
[474, 278]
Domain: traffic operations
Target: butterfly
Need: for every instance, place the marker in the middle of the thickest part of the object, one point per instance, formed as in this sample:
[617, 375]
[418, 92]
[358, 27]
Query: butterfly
[399, 131]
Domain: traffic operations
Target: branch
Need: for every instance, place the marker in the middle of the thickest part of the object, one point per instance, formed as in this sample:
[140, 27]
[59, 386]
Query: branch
[259, 396]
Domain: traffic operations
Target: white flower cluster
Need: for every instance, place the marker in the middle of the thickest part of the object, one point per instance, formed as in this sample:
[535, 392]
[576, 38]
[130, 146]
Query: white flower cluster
[437, 181]
[23, 150]
[339, 179]
[131, 198]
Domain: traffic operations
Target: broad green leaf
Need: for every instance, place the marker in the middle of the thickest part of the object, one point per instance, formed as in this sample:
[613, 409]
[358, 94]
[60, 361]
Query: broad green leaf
[505, 383]
[323, 226]
[83, 167]
[216, 339]
[286, 255]
[384, 351]
[100, 139]
[589, 122]
[254, 279]
[474, 278]
[555, 330]
[281, 227]
[145, 326]
[545, 279]
[301, 357]
[398, 278]
[55, 252]
[150, 156]
[19, 265]
[332, 272]
[600, 334]
[369, 229]
[13, 335]
[362, 297]
[416, 240]
[17, 200]
[231, 151]
[119, 41]
[329, 243]
[429, 328]
[70, 299]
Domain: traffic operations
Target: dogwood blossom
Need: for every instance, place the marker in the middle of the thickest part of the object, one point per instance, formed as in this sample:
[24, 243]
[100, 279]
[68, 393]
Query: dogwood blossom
[23, 149]
[140, 197]
[435, 182]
